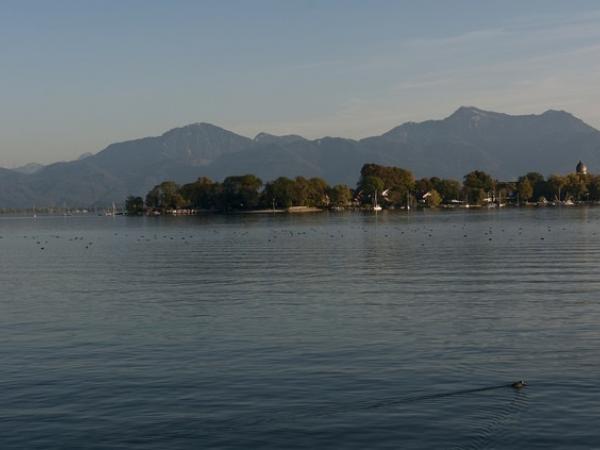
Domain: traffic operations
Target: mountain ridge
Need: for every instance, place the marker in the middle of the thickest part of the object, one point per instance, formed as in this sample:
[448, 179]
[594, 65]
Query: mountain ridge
[470, 138]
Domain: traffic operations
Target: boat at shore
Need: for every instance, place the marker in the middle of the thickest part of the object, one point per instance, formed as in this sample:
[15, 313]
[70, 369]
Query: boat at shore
[376, 206]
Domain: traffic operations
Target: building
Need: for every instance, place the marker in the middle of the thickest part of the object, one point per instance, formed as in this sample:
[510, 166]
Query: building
[581, 169]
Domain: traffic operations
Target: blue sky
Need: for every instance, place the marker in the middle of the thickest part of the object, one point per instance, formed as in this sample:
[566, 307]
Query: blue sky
[78, 75]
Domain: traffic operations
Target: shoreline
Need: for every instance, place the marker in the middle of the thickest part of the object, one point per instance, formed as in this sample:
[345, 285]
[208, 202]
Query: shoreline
[85, 212]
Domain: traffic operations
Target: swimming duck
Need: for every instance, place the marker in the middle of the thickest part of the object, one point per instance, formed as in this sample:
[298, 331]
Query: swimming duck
[519, 384]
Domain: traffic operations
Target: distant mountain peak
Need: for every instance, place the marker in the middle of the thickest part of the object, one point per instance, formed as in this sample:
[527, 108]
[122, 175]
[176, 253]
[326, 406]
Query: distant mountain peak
[564, 117]
[469, 115]
[262, 136]
[503, 145]
[29, 169]
[267, 138]
[469, 109]
[559, 113]
[202, 125]
[472, 111]
[196, 126]
[85, 155]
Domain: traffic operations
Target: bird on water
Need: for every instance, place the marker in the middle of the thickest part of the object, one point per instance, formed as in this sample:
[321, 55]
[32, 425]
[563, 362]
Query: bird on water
[519, 384]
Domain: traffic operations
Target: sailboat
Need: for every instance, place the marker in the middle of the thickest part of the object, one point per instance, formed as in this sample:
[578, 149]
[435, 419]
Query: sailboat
[376, 206]
[111, 212]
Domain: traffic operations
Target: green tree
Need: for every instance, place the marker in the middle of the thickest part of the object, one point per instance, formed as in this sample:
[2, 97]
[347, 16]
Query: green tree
[301, 191]
[340, 195]
[433, 199]
[478, 179]
[134, 206]
[279, 193]
[594, 187]
[165, 195]
[524, 189]
[153, 198]
[241, 192]
[317, 193]
[448, 189]
[505, 190]
[477, 185]
[423, 186]
[556, 185]
[576, 186]
[538, 184]
[202, 194]
[368, 186]
[396, 181]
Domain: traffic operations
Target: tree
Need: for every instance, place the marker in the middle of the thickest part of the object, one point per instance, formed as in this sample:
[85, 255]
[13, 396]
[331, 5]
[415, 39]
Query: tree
[423, 186]
[448, 189]
[433, 199]
[165, 195]
[317, 194]
[477, 185]
[478, 179]
[368, 186]
[202, 194]
[575, 185]
[241, 192]
[340, 195]
[594, 187]
[279, 193]
[538, 184]
[301, 191]
[397, 181]
[557, 184]
[153, 198]
[524, 189]
[505, 190]
[134, 206]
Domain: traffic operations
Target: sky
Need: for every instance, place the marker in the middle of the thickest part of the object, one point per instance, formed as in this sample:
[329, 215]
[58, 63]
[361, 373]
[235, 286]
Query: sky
[77, 75]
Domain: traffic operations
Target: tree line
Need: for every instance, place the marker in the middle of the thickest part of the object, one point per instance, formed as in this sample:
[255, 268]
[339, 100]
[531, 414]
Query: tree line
[392, 186]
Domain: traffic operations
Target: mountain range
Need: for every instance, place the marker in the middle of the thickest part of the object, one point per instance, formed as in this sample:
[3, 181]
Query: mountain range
[503, 145]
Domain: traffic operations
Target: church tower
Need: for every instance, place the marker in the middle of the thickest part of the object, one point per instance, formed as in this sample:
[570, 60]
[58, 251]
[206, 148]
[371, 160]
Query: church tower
[581, 169]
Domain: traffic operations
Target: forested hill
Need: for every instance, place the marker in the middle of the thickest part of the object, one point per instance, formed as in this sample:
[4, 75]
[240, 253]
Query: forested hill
[503, 145]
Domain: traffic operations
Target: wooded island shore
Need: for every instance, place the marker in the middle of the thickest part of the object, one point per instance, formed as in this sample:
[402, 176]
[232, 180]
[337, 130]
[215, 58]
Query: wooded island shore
[379, 187]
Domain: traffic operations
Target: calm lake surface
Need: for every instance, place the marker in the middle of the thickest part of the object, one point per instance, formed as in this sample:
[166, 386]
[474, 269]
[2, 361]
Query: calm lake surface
[316, 331]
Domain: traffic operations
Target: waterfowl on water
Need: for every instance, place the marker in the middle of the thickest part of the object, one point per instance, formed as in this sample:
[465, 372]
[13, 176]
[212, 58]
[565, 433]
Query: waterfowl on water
[519, 384]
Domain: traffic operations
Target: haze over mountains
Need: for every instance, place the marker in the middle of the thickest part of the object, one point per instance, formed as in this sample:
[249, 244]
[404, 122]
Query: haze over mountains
[506, 146]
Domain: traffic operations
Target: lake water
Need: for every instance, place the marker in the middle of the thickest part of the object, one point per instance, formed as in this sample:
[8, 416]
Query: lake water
[311, 331]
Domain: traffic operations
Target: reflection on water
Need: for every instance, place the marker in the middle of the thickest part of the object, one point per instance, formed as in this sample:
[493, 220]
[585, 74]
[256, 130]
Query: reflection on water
[314, 331]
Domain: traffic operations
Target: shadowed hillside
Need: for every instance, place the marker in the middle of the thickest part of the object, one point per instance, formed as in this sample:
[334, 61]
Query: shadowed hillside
[505, 146]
